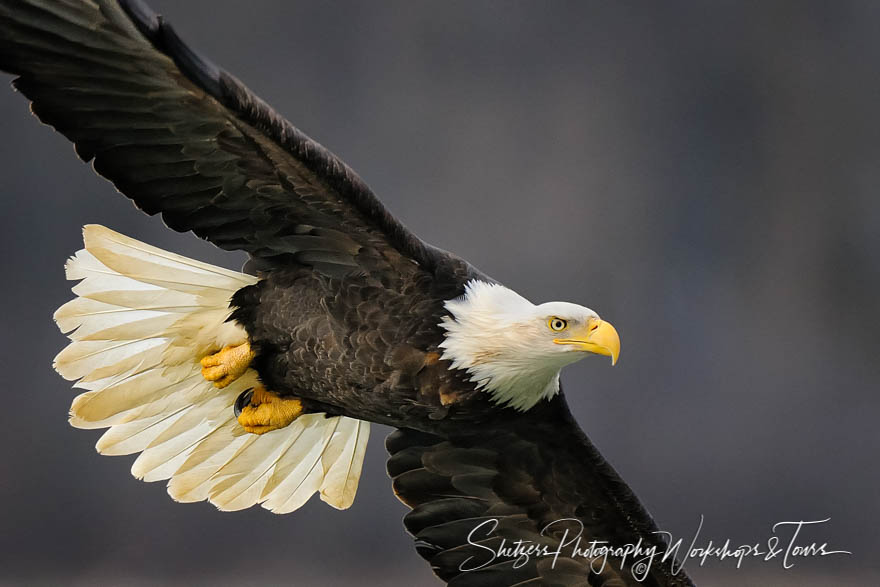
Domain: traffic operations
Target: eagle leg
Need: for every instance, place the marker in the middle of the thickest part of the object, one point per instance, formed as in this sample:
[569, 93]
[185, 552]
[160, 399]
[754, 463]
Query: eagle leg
[227, 365]
[260, 411]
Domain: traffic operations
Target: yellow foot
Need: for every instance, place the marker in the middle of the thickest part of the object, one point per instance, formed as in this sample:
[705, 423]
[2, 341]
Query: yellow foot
[264, 411]
[227, 365]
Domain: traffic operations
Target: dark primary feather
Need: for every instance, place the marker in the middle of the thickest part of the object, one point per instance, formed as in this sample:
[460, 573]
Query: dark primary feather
[510, 479]
[347, 312]
[183, 138]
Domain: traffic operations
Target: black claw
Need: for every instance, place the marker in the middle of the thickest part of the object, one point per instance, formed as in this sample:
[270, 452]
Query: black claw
[242, 401]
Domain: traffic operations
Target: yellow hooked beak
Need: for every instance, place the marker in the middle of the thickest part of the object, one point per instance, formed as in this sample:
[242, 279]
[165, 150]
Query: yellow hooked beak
[597, 337]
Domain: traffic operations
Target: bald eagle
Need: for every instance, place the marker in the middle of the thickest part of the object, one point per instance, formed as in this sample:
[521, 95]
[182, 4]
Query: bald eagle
[258, 387]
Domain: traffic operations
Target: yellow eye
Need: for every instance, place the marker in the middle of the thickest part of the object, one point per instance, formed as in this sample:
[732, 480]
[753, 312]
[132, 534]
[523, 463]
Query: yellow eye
[557, 324]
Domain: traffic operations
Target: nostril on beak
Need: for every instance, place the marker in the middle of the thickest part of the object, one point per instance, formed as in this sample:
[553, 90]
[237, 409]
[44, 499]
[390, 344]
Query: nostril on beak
[594, 325]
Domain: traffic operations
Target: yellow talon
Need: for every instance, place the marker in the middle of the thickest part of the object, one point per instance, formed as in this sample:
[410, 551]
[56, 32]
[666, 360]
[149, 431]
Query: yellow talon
[268, 411]
[227, 365]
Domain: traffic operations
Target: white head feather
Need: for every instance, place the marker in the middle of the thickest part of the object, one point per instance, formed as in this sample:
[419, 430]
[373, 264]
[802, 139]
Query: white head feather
[506, 344]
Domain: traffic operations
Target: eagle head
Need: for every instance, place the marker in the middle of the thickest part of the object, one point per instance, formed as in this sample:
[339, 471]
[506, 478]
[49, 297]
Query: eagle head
[514, 349]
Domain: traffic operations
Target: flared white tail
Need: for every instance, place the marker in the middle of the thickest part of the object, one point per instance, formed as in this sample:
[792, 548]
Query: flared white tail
[141, 322]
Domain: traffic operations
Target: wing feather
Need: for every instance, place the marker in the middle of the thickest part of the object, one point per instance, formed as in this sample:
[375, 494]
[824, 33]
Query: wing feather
[182, 137]
[528, 476]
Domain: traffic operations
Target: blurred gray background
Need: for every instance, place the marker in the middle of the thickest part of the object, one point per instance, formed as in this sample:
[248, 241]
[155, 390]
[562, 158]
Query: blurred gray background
[703, 174]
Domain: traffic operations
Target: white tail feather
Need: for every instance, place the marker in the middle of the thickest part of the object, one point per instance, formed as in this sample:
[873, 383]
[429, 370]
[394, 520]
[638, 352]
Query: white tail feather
[142, 320]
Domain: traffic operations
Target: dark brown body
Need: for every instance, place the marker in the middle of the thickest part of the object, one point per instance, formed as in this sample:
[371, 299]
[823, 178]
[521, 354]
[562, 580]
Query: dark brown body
[355, 347]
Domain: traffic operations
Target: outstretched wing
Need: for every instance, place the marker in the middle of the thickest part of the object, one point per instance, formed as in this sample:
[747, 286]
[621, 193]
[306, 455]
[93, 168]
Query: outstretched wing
[533, 477]
[183, 138]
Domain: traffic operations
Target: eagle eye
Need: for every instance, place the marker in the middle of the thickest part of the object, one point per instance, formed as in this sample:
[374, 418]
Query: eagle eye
[557, 324]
